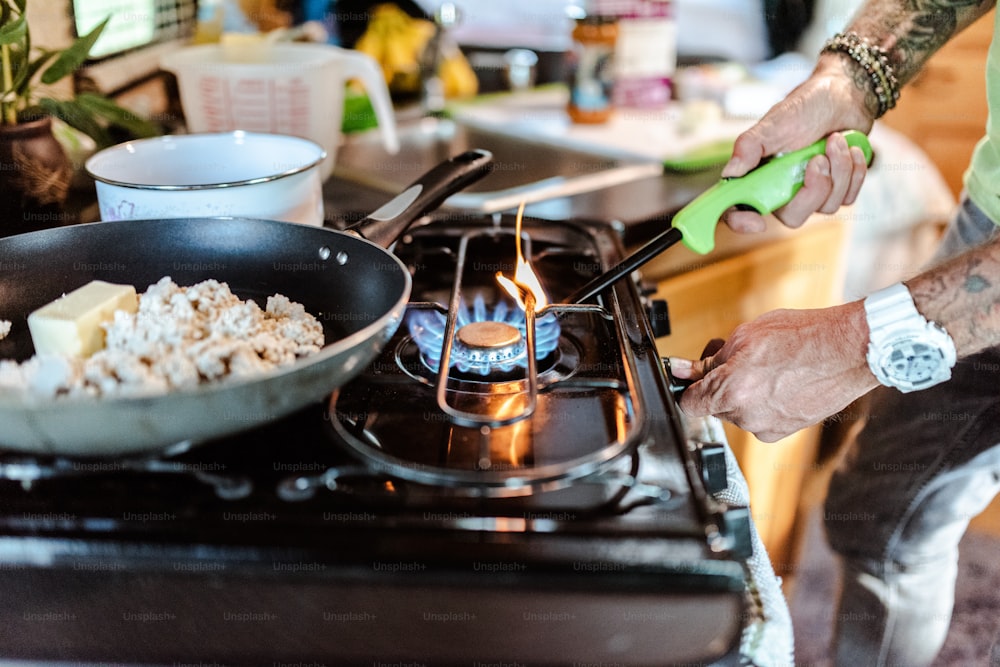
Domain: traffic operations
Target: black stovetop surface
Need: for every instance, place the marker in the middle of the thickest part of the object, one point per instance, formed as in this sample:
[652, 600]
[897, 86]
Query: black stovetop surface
[325, 540]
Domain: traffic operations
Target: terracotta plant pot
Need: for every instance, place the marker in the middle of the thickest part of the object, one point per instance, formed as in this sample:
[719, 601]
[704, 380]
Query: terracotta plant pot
[35, 175]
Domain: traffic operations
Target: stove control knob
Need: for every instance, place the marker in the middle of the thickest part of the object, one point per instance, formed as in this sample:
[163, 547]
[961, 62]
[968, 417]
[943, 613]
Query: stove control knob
[712, 460]
[659, 317]
[736, 527]
[677, 386]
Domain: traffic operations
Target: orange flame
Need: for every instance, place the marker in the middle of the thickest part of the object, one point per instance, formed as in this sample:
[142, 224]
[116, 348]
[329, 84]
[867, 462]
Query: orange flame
[524, 277]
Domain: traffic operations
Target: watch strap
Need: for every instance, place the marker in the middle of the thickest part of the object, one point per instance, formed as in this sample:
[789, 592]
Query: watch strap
[895, 325]
[890, 307]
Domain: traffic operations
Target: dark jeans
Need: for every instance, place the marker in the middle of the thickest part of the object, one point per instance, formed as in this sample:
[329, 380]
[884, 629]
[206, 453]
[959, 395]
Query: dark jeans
[923, 465]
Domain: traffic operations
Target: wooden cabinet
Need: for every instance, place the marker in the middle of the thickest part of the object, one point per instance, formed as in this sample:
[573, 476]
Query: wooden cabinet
[943, 109]
[801, 269]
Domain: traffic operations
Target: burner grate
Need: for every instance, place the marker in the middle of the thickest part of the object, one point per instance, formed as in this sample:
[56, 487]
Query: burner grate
[534, 422]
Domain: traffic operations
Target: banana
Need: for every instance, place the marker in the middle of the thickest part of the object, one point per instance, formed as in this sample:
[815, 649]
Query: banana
[370, 44]
[458, 77]
[398, 41]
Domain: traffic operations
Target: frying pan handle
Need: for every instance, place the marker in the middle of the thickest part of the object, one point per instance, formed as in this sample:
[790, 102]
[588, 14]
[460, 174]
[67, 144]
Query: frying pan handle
[424, 195]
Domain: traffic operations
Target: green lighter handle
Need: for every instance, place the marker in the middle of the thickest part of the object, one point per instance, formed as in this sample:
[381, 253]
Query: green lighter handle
[768, 187]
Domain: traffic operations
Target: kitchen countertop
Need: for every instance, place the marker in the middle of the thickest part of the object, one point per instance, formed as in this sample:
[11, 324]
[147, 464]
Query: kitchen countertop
[643, 206]
[641, 209]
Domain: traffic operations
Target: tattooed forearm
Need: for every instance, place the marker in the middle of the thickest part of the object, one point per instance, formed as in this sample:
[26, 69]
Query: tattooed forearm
[911, 31]
[963, 296]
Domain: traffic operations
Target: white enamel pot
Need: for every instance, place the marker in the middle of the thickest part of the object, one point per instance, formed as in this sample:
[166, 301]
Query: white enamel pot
[239, 173]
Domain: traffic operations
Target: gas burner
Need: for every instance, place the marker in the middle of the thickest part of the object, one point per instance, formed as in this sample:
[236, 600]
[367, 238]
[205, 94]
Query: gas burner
[560, 364]
[486, 344]
[487, 341]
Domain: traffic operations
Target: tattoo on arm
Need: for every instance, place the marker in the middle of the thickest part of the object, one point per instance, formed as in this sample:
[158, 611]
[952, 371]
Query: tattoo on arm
[975, 283]
[963, 296]
[911, 31]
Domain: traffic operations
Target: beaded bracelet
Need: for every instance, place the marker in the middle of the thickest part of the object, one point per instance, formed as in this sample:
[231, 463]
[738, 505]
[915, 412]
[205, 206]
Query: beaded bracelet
[874, 61]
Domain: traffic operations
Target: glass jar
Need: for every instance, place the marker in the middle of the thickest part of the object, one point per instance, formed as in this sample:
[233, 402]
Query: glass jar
[646, 54]
[590, 69]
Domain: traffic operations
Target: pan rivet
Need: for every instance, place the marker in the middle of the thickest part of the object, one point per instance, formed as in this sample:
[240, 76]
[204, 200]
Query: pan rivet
[324, 252]
[341, 258]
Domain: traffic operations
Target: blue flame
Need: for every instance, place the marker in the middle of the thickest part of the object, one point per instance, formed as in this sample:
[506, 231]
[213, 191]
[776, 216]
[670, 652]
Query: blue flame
[427, 328]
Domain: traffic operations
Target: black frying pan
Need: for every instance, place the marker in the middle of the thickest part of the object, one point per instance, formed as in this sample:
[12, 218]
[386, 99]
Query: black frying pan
[349, 280]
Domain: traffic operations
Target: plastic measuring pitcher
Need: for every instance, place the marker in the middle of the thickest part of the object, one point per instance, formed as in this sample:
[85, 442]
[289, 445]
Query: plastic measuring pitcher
[282, 88]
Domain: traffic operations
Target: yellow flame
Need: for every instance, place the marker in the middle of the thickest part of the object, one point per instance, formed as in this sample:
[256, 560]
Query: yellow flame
[524, 277]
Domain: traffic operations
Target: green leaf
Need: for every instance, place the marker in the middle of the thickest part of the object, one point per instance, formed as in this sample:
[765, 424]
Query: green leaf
[25, 75]
[8, 13]
[78, 117]
[14, 32]
[117, 115]
[71, 58]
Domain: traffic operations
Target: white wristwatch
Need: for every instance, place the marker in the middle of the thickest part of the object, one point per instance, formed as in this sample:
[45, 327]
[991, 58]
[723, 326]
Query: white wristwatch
[905, 351]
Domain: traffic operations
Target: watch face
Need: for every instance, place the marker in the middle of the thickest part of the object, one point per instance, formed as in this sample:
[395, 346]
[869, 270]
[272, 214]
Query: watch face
[913, 362]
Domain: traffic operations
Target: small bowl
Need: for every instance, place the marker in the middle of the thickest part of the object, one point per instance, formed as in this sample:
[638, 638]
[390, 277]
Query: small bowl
[244, 174]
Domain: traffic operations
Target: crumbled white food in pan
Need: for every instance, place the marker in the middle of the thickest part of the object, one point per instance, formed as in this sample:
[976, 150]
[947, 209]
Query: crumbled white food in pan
[180, 337]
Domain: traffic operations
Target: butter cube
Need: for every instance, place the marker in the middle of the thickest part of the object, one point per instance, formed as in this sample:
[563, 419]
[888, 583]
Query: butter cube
[71, 324]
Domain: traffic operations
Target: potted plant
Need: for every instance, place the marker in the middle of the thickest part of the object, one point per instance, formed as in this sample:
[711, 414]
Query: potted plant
[35, 172]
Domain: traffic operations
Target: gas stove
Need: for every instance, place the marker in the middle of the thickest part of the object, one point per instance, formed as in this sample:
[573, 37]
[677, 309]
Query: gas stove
[502, 485]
